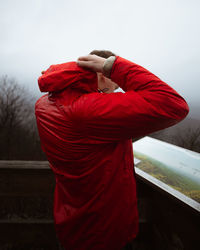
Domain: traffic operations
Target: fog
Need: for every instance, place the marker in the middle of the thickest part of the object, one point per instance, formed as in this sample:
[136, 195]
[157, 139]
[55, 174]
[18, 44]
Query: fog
[162, 36]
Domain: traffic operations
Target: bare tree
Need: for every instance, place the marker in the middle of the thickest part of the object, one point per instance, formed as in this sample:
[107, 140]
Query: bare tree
[188, 138]
[17, 120]
[13, 103]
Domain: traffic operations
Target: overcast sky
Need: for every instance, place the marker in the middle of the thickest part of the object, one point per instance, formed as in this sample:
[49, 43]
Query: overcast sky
[160, 35]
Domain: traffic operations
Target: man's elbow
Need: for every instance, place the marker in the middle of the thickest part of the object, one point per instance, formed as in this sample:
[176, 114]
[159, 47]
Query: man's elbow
[186, 110]
[182, 110]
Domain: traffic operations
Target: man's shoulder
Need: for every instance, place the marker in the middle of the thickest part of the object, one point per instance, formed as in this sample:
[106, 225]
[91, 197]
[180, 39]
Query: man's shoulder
[41, 100]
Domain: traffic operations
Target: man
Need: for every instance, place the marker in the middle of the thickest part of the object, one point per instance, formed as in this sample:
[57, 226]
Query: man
[86, 132]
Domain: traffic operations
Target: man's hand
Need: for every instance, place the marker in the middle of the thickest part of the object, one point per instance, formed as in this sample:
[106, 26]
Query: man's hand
[92, 62]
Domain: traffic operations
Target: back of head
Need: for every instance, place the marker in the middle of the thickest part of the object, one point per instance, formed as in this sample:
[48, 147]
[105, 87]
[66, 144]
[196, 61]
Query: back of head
[102, 53]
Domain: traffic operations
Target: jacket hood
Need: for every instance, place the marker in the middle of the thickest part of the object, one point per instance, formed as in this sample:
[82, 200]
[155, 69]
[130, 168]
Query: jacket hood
[60, 76]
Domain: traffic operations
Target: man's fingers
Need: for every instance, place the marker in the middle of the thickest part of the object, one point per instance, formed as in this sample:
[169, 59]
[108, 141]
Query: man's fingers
[92, 62]
[88, 58]
[84, 58]
[84, 63]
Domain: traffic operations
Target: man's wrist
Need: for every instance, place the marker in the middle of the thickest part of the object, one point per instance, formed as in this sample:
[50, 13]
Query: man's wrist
[107, 66]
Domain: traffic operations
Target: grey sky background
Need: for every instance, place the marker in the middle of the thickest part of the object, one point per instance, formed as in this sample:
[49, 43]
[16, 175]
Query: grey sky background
[160, 35]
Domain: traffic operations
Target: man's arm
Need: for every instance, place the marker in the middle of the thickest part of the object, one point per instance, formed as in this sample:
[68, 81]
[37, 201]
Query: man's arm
[148, 104]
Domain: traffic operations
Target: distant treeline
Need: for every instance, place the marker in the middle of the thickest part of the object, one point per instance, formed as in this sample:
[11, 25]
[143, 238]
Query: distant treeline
[19, 139]
[185, 134]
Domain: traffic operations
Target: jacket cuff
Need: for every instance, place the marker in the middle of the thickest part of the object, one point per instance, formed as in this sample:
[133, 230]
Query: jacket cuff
[107, 66]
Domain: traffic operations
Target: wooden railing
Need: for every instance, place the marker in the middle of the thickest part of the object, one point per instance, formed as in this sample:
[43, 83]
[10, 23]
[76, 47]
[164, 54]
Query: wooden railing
[26, 212]
[26, 205]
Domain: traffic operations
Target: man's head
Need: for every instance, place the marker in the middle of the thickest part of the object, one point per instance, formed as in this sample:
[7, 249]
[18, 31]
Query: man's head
[105, 84]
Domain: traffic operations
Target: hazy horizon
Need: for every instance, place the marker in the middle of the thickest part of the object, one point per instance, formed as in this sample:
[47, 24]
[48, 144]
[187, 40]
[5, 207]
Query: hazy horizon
[158, 35]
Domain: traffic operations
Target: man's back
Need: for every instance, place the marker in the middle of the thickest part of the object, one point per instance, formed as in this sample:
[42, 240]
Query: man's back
[86, 136]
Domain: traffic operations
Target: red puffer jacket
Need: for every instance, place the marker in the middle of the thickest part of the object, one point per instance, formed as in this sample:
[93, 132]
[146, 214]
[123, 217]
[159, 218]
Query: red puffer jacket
[87, 138]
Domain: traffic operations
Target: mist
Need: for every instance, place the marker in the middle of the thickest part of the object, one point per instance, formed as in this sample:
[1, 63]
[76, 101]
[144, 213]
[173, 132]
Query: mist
[161, 36]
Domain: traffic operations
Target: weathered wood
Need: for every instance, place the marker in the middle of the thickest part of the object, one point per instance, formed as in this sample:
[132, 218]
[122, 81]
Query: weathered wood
[173, 226]
[26, 207]
[28, 235]
[30, 180]
[24, 165]
[26, 211]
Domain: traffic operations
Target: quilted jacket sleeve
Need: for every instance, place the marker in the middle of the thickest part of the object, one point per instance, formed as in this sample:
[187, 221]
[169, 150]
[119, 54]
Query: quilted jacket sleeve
[148, 105]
